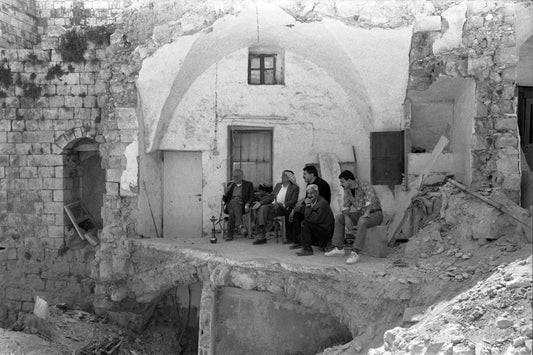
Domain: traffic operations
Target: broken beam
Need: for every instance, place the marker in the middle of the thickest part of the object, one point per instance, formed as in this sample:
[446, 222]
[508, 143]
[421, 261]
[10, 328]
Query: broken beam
[504, 205]
[405, 202]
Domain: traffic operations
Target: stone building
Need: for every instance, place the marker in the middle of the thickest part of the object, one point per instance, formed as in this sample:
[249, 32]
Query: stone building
[140, 109]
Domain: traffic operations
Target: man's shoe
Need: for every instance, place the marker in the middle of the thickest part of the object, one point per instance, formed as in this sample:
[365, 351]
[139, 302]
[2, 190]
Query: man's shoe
[259, 241]
[228, 239]
[296, 246]
[286, 242]
[304, 252]
[335, 252]
[353, 258]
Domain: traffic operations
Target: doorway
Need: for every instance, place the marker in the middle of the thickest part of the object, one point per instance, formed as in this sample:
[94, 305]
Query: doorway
[182, 194]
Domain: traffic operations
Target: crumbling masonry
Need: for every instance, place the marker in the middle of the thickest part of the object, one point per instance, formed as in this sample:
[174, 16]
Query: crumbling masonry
[49, 106]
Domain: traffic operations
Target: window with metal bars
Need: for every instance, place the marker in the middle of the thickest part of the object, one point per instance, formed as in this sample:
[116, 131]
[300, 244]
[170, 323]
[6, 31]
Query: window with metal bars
[251, 151]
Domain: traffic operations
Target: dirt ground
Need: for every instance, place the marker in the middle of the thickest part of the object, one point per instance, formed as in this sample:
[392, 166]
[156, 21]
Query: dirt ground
[486, 311]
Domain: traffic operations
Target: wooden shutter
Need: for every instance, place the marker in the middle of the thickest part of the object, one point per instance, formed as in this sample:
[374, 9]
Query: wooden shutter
[387, 158]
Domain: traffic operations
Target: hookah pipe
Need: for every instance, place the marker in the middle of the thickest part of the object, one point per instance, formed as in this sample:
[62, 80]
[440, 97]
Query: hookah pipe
[213, 220]
[213, 239]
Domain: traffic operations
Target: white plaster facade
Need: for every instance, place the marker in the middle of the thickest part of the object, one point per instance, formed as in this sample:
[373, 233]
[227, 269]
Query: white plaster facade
[337, 90]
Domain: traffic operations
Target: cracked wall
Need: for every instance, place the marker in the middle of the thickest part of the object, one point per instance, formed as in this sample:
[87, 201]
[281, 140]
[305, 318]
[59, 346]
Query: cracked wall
[486, 54]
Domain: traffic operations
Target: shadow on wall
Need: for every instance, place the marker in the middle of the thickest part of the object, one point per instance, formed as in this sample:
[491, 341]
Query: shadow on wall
[252, 322]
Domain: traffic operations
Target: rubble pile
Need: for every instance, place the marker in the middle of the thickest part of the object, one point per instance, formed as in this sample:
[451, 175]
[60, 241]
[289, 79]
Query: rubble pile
[493, 317]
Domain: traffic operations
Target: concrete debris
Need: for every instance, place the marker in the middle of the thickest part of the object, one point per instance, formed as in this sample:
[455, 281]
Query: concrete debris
[486, 311]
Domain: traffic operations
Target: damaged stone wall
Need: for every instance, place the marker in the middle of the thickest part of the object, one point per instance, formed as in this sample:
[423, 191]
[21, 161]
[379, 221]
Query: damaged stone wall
[477, 40]
[68, 13]
[160, 266]
[18, 24]
[45, 106]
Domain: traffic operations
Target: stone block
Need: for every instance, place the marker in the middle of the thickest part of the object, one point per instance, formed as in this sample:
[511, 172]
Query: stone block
[57, 101]
[113, 175]
[82, 113]
[18, 126]
[78, 90]
[73, 101]
[5, 125]
[6, 149]
[9, 113]
[53, 183]
[509, 75]
[112, 188]
[126, 118]
[55, 231]
[65, 113]
[63, 90]
[71, 78]
[89, 101]
[54, 207]
[478, 65]
[35, 184]
[4, 160]
[46, 171]
[37, 137]
[512, 182]
[376, 242]
[28, 172]
[506, 124]
[506, 140]
[427, 23]
[87, 78]
[506, 56]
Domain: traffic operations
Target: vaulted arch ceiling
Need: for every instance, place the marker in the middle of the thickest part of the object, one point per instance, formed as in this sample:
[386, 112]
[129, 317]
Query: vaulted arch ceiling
[266, 25]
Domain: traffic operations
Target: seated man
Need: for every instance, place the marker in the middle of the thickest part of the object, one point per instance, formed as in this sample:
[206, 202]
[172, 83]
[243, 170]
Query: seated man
[279, 203]
[310, 176]
[318, 221]
[238, 195]
[361, 208]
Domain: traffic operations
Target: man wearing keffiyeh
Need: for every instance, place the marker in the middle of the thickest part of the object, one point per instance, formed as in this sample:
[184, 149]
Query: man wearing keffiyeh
[279, 203]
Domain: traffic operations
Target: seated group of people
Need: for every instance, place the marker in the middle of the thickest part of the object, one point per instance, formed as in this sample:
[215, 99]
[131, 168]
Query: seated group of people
[308, 221]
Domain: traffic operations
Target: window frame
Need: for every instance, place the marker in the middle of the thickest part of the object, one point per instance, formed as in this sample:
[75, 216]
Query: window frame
[278, 57]
[249, 129]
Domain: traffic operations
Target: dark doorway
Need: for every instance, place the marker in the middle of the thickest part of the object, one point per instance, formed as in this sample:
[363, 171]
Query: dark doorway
[525, 121]
[85, 177]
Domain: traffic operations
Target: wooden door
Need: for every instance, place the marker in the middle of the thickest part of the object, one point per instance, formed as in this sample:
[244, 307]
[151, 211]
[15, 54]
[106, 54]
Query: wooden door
[182, 194]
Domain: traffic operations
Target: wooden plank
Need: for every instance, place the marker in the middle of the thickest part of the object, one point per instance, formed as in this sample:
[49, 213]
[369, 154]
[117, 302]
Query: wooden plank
[500, 202]
[406, 150]
[405, 202]
[72, 218]
[330, 168]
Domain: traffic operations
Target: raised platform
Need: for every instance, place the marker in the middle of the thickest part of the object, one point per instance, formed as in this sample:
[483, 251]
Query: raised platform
[364, 297]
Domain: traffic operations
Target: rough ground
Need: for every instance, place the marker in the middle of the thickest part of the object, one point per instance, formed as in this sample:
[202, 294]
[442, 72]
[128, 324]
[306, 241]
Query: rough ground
[486, 309]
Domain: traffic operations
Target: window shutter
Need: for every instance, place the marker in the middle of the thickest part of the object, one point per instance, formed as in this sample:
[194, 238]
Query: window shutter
[387, 158]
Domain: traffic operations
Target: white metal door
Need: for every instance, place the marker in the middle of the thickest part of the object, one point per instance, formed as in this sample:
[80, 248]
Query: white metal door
[182, 194]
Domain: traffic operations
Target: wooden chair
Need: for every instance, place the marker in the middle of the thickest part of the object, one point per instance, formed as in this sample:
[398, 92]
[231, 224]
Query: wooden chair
[280, 228]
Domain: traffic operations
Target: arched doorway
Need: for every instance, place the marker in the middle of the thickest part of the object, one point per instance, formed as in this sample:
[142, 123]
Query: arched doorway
[84, 178]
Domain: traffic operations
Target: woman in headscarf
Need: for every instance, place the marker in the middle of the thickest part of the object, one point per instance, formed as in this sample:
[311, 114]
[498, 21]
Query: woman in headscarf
[279, 203]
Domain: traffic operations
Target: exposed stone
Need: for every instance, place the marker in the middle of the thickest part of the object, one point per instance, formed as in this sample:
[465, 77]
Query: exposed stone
[506, 56]
[427, 23]
[503, 323]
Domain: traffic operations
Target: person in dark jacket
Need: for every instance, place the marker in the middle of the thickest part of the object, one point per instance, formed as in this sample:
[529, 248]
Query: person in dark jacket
[318, 222]
[238, 197]
[310, 176]
[279, 203]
